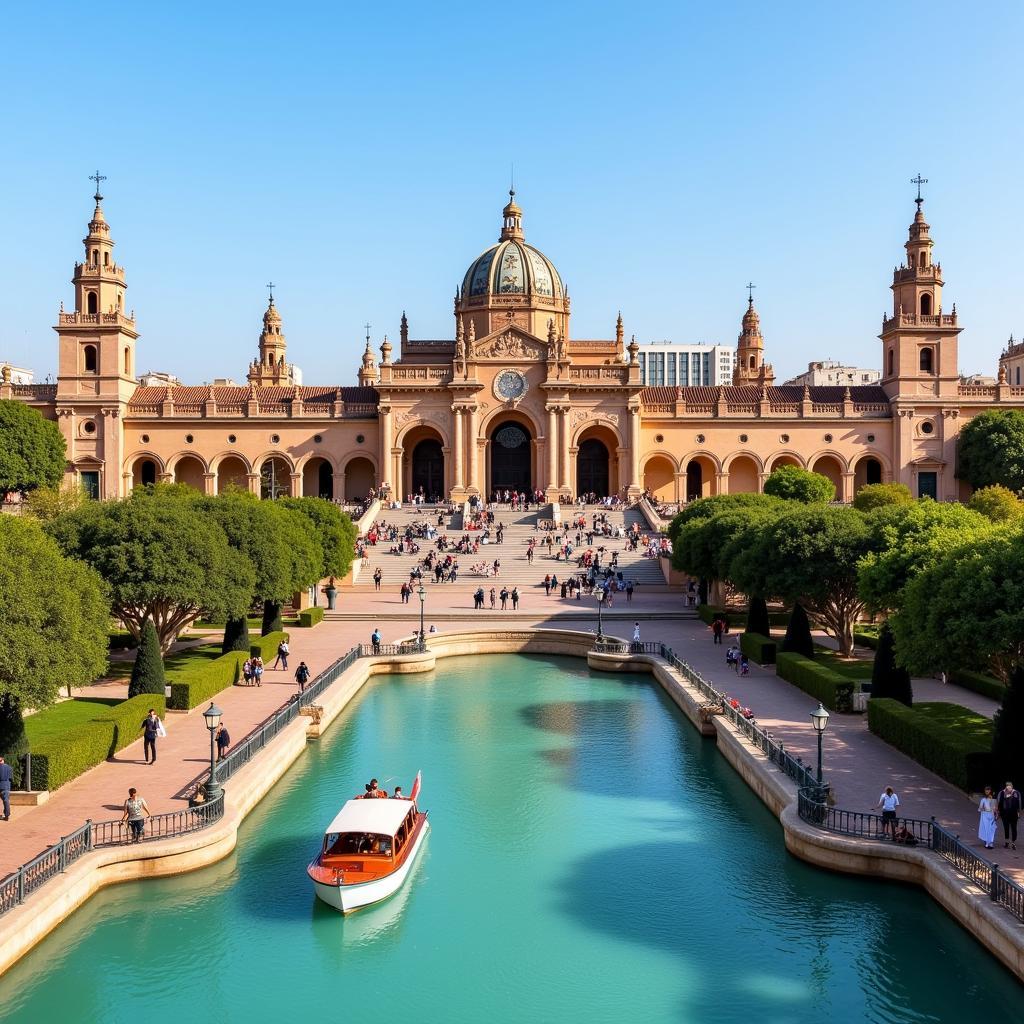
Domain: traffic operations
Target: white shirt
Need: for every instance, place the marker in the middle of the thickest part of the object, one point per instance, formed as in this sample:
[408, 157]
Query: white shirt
[889, 801]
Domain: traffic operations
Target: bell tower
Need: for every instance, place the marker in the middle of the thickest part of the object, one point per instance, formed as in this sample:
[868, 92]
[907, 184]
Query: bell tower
[270, 367]
[750, 366]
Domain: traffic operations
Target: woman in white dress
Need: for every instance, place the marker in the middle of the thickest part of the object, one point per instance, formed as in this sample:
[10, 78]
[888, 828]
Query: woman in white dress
[987, 819]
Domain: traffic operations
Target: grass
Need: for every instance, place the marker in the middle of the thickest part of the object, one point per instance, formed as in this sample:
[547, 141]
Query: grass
[849, 669]
[255, 623]
[968, 724]
[174, 664]
[54, 721]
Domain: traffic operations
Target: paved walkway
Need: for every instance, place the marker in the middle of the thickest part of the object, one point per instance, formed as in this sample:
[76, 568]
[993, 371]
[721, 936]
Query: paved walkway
[858, 764]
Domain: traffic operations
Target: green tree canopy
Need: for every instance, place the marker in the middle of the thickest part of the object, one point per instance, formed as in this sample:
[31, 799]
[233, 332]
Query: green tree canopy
[906, 538]
[872, 496]
[32, 450]
[795, 484]
[55, 617]
[965, 608]
[46, 503]
[163, 558]
[808, 553]
[991, 450]
[335, 530]
[998, 504]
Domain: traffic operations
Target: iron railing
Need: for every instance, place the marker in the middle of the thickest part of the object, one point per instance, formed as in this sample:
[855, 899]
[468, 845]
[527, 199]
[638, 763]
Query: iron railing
[160, 826]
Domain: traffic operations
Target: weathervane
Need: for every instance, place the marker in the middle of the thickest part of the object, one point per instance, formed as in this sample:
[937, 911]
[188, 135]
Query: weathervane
[919, 181]
[97, 177]
[367, 326]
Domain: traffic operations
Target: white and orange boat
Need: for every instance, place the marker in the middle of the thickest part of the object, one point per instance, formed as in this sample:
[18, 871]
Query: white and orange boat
[368, 850]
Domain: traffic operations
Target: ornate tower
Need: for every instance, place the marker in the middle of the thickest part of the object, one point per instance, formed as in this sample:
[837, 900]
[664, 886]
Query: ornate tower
[96, 361]
[271, 367]
[750, 366]
[368, 370]
[919, 341]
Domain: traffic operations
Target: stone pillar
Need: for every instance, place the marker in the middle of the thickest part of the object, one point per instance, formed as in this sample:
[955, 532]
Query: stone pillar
[209, 483]
[635, 486]
[386, 444]
[253, 480]
[460, 450]
[295, 488]
[722, 483]
[395, 475]
[566, 461]
[848, 486]
[551, 441]
[474, 427]
[339, 485]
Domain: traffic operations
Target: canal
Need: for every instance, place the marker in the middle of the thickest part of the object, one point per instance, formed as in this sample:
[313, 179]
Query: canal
[591, 858]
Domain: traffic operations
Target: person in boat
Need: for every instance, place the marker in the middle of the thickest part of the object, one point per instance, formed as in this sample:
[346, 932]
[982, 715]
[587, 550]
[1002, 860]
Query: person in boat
[398, 794]
[376, 791]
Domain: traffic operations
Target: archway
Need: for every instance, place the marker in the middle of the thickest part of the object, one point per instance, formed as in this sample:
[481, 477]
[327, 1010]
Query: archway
[593, 470]
[144, 472]
[318, 479]
[829, 465]
[701, 477]
[189, 470]
[360, 479]
[428, 469]
[744, 476]
[275, 478]
[511, 458]
[232, 472]
[784, 460]
[660, 478]
[867, 471]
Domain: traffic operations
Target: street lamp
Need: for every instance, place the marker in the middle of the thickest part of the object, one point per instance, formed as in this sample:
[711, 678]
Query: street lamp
[600, 608]
[819, 719]
[212, 715]
[423, 597]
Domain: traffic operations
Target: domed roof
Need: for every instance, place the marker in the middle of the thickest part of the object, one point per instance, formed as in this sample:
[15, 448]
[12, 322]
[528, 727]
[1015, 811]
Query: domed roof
[512, 267]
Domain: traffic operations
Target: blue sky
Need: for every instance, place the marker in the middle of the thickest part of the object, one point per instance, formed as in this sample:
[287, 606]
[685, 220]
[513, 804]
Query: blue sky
[358, 156]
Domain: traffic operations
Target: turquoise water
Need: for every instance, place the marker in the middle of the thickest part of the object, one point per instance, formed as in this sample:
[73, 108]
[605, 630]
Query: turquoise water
[591, 858]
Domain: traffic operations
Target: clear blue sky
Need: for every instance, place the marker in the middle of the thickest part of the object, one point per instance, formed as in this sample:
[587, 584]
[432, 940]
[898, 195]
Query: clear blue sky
[358, 156]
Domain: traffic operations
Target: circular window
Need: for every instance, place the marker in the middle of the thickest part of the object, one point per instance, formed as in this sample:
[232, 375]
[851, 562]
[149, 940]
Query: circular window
[189, 438]
[145, 438]
[659, 438]
[360, 439]
[232, 439]
[828, 439]
[275, 438]
[318, 438]
[744, 438]
[871, 438]
[784, 438]
[89, 427]
[700, 439]
[927, 427]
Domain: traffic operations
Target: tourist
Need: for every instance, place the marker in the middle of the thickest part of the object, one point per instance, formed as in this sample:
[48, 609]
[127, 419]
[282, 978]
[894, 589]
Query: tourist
[151, 728]
[257, 670]
[515, 598]
[375, 639]
[629, 592]
[6, 780]
[282, 655]
[247, 671]
[478, 598]
[504, 598]
[302, 675]
[223, 739]
[377, 577]
[744, 665]
[494, 598]
[375, 791]
[888, 801]
[398, 794]
[636, 634]
[134, 808]
[987, 818]
[732, 657]
[718, 628]
[1009, 811]
[433, 628]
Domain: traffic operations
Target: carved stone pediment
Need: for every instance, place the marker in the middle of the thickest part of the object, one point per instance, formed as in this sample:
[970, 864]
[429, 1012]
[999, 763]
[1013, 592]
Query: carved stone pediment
[510, 343]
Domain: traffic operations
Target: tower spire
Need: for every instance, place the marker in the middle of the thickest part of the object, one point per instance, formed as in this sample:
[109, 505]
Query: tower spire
[512, 219]
[919, 181]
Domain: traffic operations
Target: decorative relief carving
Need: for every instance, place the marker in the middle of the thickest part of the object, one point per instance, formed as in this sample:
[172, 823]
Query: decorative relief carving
[509, 346]
[594, 416]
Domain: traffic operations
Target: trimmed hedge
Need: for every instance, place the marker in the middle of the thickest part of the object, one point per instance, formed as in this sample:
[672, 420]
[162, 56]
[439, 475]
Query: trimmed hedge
[948, 739]
[866, 636]
[832, 689]
[979, 682]
[63, 758]
[309, 617]
[202, 682]
[758, 647]
[266, 646]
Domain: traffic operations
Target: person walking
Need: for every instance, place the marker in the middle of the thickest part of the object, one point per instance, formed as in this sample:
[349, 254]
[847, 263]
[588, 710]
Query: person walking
[6, 781]
[987, 818]
[504, 598]
[151, 728]
[515, 598]
[718, 628]
[636, 634]
[888, 802]
[1009, 811]
[302, 675]
[377, 577]
[375, 639]
[247, 671]
[629, 591]
[257, 670]
[282, 655]
[223, 740]
[134, 809]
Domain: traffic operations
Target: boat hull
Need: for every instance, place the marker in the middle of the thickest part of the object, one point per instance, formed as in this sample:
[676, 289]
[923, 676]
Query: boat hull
[348, 898]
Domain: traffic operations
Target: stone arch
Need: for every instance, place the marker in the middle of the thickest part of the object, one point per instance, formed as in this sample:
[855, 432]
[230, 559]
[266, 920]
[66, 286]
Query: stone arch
[190, 469]
[275, 470]
[588, 426]
[832, 465]
[864, 473]
[232, 470]
[595, 447]
[424, 460]
[701, 471]
[317, 477]
[360, 477]
[511, 466]
[744, 473]
[784, 458]
[139, 477]
[659, 476]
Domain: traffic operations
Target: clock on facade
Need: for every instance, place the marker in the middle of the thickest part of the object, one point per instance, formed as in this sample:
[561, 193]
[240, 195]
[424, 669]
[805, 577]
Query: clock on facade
[509, 385]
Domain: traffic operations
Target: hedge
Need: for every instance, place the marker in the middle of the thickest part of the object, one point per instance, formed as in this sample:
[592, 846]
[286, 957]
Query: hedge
[63, 758]
[979, 682]
[948, 739]
[758, 647]
[266, 646]
[866, 636]
[311, 617]
[832, 689]
[200, 683]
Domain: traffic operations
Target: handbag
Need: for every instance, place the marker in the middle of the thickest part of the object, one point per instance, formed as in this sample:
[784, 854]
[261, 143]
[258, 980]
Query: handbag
[160, 730]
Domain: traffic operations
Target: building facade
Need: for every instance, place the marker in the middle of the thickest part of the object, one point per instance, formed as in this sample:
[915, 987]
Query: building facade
[667, 364]
[829, 373]
[511, 401]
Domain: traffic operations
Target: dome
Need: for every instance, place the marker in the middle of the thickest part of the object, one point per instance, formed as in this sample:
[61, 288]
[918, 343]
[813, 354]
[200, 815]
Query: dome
[512, 267]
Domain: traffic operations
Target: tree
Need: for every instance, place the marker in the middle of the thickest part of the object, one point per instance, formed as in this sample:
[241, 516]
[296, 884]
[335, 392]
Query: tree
[162, 558]
[32, 450]
[54, 622]
[236, 634]
[965, 609]
[148, 670]
[991, 450]
[798, 639]
[272, 622]
[997, 503]
[1008, 734]
[872, 496]
[808, 553]
[46, 503]
[905, 539]
[757, 617]
[335, 530]
[795, 484]
[887, 678]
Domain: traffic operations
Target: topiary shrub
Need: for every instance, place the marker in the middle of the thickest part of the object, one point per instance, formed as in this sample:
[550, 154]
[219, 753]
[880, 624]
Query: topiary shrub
[309, 617]
[13, 741]
[236, 635]
[271, 618]
[757, 617]
[872, 496]
[889, 680]
[201, 682]
[758, 647]
[148, 670]
[798, 639]
[266, 646]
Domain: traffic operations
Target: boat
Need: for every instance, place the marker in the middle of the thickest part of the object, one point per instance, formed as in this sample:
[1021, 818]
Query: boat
[368, 850]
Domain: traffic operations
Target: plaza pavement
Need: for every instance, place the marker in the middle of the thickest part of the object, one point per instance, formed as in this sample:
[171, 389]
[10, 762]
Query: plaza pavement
[857, 764]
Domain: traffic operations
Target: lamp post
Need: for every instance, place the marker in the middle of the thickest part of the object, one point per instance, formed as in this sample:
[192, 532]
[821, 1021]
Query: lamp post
[423, 598]
[819, 719]
[212, 715]
[600, 608]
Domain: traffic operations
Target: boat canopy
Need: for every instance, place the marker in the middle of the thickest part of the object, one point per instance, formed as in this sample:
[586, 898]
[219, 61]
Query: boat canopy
[383, 817]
